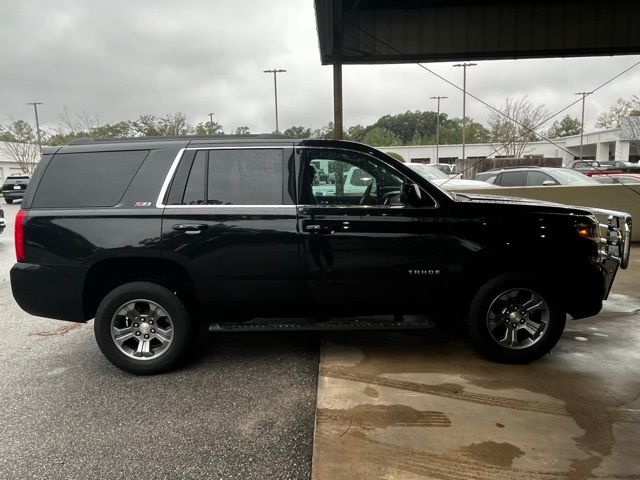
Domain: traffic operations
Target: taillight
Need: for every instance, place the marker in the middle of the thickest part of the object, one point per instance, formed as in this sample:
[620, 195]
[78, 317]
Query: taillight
[19, 235]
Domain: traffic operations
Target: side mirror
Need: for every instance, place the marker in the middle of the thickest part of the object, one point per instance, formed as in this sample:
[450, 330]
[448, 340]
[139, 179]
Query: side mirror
[548, 183]
[410, 194]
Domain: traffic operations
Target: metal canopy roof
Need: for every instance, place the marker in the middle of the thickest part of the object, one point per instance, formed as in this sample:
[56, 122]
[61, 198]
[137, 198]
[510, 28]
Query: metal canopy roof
[397, 31]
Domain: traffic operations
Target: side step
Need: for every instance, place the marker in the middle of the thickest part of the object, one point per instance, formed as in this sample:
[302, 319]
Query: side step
[386, 322]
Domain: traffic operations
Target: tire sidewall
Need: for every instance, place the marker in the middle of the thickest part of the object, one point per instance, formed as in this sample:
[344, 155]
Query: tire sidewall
[182, 335]
[477, 323]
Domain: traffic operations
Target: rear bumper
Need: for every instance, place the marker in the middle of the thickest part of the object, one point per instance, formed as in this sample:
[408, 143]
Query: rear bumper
[49, 291]
[14, 194]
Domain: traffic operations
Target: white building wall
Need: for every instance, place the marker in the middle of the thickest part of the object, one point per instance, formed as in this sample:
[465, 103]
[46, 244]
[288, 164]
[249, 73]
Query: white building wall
[600, 145]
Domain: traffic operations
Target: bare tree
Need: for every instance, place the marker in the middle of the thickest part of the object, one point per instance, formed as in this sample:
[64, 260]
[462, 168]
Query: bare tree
[630, 130]
[516, 126]
[18, 142]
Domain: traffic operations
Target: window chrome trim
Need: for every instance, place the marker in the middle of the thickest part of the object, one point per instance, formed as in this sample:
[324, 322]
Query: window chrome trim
[176, 162]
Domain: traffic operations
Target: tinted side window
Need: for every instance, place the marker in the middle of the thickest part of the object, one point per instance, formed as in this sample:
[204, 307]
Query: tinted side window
[245, 177]
[511, 179]
[194, 192]
[95, 179]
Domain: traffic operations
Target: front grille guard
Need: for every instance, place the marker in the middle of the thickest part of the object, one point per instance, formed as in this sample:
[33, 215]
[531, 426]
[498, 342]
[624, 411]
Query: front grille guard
[616, 237]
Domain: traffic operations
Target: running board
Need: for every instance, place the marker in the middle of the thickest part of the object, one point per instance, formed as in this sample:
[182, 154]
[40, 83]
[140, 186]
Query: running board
[406, 322]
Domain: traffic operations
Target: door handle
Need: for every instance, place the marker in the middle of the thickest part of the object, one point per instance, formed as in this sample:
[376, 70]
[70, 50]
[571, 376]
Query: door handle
[313, 228]
[321, 229]
[190, 228]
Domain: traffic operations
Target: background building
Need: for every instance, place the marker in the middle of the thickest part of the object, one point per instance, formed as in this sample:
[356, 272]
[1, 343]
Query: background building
[620, 144]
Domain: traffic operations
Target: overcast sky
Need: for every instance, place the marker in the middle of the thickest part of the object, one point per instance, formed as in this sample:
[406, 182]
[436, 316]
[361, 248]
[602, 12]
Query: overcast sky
[120, 59]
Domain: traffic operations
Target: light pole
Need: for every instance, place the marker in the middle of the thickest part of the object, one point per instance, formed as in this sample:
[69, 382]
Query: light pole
[464, 103]
[275, 90]
[438, 98]
[35, 109]
[584, 97]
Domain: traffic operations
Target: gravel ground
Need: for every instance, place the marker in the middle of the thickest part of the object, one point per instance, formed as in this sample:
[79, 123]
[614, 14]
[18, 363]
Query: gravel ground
[245, 409]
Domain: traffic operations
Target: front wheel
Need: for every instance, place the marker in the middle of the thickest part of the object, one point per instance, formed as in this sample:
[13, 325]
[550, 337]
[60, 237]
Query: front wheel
[143, 328]
[515, 319]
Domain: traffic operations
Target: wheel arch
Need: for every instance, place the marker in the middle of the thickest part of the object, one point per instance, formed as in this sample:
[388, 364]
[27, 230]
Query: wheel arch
[105, 275]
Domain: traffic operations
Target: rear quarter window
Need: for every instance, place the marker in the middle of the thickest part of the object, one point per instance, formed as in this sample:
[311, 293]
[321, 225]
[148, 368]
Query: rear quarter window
[94, 179]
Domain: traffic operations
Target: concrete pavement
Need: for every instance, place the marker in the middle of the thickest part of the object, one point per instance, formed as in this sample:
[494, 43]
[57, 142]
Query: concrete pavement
[426, 406]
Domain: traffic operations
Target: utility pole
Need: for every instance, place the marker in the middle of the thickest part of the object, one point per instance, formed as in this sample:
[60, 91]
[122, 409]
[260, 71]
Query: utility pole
[464, 103]
[275, 91]
[438, 98]
[584, 96]
[211, 118]
[35, 109]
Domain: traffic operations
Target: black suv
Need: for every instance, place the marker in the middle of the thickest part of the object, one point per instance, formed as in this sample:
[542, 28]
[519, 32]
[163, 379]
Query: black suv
[154, 237]
[2, 222]
[14, 187]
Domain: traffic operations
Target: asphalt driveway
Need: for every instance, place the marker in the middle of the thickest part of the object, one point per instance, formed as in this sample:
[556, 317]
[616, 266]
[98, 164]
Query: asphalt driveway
[244, 410]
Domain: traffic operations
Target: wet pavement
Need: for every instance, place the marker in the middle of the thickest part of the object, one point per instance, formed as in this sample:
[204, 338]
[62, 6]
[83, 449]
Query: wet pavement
[244, 410]
[418, 406]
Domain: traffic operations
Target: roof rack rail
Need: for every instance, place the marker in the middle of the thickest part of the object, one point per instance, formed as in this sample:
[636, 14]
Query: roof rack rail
[269, 136]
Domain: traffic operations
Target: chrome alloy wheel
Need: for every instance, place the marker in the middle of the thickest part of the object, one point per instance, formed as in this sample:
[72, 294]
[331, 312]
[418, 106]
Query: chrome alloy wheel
[518, 318]
[142, 329]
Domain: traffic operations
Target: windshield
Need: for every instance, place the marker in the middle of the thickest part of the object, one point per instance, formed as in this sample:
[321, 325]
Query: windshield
[428, 171]
[568, 177]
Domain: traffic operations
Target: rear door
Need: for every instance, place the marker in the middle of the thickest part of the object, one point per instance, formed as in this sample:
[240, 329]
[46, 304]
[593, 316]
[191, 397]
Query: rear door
[230, 219]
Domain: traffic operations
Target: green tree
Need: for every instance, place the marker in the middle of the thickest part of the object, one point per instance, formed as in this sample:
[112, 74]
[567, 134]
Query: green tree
[451, 132]
[244, 130]
[169, 125]
[381, 137]
[209, 128]
[565, 127]
[356, 133]
[112, 130]
[323, 133]
[298, 132]
[406, 125]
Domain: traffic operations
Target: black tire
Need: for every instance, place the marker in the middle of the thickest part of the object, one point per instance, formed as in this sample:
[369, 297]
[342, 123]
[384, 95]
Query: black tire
[183, 331]
[8, 200]
[478, 324]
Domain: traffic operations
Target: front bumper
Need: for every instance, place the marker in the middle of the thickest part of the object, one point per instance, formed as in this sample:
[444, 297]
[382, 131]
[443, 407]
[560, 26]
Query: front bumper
[615, 246]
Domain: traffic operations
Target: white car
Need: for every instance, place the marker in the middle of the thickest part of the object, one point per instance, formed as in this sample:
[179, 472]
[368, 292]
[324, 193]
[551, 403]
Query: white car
[442, 180]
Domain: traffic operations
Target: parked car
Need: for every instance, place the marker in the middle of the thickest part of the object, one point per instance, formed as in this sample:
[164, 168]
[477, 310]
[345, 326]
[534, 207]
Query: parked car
[3, 224]
[619, 167]
[14, 187]
[437, 177]
[534, 177]
[447, 168]
[613, 178]
[584, 166]
[155, 237]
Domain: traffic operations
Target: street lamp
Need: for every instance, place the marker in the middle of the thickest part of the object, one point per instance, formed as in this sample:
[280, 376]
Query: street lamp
[464, 103]
[438, 98]
[275, 90]
[35, 109]
[584, 96]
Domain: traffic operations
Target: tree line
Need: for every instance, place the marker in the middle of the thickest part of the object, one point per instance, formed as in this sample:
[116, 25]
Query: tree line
[519, 123]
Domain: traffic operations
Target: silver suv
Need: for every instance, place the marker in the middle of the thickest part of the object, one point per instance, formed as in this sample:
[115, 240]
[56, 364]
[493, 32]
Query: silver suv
[534, 177]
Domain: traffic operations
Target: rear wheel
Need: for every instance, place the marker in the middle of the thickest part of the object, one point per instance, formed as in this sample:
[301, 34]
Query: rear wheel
[143, 328]
[515, 319]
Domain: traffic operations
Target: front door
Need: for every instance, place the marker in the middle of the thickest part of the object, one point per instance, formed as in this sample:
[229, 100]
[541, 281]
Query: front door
[364, 251]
